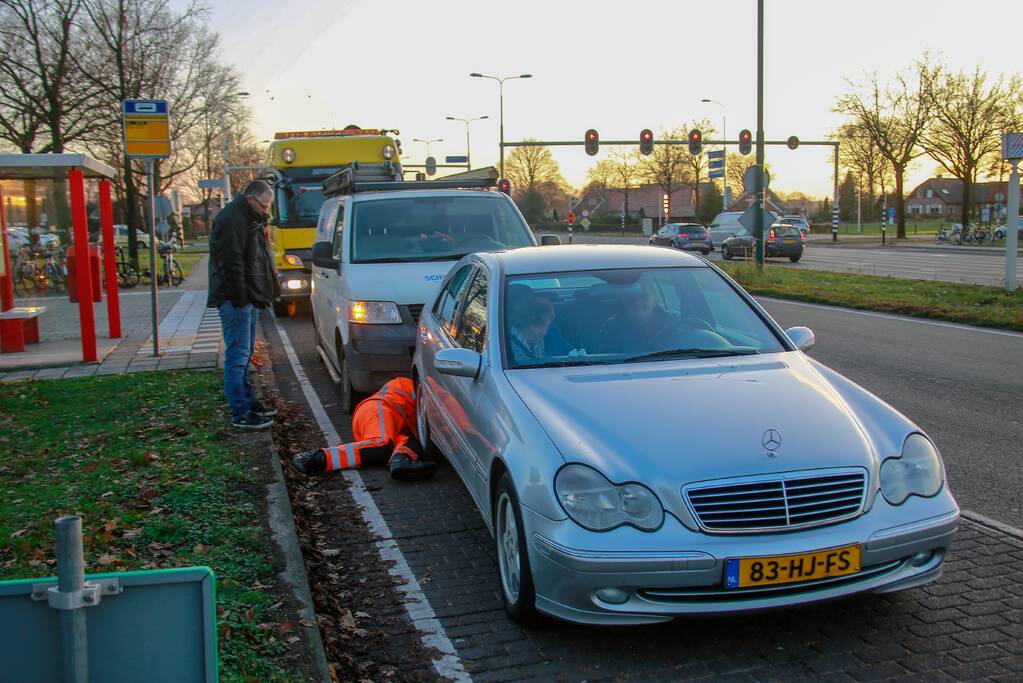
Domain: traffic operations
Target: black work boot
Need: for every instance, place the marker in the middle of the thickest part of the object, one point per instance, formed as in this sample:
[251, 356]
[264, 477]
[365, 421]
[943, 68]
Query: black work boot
[404, 468]
[310, 462]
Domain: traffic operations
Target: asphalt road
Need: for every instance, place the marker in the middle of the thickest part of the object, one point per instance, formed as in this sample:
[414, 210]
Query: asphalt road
[919, 263]
[967, 625]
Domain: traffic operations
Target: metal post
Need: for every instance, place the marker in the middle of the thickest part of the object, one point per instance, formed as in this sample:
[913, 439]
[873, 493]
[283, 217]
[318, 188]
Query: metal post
[468, 149]
[7, 281]
[501, 88]
[836, 177]
[859, 207]
[106, 220]
[1011, 227]
[724, 160]
[227, 164]
[152, 258]
[71, 579]
[758, 229]
[83, 263]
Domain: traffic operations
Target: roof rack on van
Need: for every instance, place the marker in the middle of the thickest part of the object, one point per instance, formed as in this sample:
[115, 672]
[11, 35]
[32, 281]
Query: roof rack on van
[363, 177]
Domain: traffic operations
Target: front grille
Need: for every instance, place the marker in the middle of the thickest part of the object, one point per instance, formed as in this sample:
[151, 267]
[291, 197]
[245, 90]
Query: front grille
[790, 501]
[414, 310]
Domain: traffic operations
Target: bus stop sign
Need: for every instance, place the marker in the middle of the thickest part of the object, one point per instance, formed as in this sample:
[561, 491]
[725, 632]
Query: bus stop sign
[146, 128]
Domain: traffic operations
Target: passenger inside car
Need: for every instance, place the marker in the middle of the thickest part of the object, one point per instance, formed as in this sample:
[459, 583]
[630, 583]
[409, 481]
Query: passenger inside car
[532, 334]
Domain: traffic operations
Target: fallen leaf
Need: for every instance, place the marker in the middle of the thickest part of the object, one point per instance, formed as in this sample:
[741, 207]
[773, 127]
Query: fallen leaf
[91, 467]
[285, 627]
[106, 559]
[19, 533]
[110, 524]
[330, 552]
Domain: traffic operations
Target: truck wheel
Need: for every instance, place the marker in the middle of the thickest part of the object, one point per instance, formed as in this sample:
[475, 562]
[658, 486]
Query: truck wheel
[284, 309]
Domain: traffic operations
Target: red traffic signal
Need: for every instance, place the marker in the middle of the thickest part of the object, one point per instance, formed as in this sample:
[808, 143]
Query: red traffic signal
[571, 218]
[745, 141]
[504, 185]
[592, 140]
[646, 141]
[695, 141]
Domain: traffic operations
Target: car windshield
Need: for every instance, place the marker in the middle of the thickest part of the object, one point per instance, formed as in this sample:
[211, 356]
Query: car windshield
[628, 316]
[434, 228]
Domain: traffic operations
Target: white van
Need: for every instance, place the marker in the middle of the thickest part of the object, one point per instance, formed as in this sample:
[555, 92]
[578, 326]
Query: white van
[726, 224]
[379, 255]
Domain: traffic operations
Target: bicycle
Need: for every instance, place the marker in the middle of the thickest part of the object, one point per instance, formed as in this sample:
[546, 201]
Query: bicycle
[127, 276]
[171, 270]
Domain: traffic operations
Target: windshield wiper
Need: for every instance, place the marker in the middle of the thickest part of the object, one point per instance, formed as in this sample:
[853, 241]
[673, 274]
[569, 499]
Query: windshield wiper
[697, 352]
[445, 257]
[383, 259]
[562, 364]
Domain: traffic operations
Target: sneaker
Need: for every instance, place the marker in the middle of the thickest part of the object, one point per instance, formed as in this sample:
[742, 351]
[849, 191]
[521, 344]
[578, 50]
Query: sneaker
[310, 462]
[262, 409]
[404, 468]
[252, 421]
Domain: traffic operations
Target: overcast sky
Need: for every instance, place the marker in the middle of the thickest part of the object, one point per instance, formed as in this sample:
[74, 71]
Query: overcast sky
[618, 67]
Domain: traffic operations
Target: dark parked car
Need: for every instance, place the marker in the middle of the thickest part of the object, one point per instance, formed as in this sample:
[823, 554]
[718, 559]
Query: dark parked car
[782, 240]
[686, 236]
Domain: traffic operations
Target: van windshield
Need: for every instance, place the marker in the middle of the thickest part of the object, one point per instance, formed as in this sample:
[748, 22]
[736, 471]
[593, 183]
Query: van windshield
[434, 228]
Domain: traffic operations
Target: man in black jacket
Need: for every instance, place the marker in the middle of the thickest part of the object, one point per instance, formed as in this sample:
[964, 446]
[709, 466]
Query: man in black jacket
[241, 285]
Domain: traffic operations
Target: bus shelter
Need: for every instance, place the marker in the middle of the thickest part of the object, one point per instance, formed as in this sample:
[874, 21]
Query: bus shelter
[76, 168]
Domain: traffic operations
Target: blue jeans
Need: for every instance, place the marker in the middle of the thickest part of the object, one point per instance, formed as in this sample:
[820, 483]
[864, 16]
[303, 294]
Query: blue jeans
[239, 328]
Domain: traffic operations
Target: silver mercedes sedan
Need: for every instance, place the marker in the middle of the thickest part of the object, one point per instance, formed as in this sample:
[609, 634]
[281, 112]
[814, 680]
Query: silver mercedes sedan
[645, 442]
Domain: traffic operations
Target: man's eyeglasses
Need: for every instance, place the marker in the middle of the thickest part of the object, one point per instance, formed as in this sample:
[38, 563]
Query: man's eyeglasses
[262, 205]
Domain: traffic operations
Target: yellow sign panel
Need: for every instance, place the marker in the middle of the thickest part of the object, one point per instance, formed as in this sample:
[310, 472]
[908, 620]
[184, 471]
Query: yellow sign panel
[146, 128]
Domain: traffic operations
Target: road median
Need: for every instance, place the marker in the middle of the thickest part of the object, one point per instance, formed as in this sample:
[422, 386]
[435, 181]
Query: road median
[952, 301]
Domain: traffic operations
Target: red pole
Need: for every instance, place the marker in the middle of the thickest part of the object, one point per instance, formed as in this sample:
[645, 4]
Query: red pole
[106, 220]
[7, 281]
[83, 268]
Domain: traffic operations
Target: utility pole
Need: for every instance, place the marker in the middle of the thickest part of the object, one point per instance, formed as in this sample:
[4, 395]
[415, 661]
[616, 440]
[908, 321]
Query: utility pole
[758, 230]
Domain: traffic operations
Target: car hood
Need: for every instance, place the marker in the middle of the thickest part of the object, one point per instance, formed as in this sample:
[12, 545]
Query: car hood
[402, 283]
[671, 423]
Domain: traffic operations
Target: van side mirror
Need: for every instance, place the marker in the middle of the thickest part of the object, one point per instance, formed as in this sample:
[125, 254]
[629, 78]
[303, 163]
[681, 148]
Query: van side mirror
[549, 240]
[323, 256]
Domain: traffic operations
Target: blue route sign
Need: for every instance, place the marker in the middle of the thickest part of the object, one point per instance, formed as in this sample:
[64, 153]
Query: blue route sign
[716, 154]
[456, 160]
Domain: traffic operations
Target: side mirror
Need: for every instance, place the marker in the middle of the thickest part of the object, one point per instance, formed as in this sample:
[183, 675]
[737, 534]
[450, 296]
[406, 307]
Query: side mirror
[549, 240]
[458, 362]
[323, 256]
[802, 337]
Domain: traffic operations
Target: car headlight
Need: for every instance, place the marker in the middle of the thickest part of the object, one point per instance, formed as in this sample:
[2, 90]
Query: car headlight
[599, 505]
[917, 472]
[373, 312]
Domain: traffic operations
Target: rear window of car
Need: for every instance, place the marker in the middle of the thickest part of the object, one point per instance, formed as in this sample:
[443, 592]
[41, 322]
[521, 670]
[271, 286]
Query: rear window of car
[789, 231]
[692, 230]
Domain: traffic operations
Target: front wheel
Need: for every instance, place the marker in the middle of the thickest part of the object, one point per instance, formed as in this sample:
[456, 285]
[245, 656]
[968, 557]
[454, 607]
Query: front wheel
[725, 253]
[349, 396]
[512, 555]
[795, 258]
[430, 450]
[176, 276]
[284, 309]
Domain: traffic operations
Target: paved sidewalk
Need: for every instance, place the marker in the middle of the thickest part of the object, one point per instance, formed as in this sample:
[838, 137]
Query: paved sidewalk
[189, 337]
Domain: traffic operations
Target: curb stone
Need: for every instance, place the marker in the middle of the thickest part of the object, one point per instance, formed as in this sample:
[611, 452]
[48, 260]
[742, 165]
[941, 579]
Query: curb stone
[284, 534]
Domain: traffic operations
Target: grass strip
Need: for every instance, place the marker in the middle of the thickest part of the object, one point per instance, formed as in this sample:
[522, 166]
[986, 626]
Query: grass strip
[954, 301]
[147, 461]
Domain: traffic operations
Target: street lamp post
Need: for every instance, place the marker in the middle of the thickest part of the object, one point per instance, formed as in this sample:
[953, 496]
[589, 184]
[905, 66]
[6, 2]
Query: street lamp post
[500, 82]
[226, 150]
[724, 136]
[427, 143]
[468, 153]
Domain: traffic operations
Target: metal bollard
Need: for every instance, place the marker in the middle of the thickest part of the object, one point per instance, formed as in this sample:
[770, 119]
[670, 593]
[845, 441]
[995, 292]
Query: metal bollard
[884, 231]
[570, 233]
[71, 579]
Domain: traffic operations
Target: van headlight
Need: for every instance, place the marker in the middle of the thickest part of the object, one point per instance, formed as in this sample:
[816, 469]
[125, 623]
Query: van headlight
[597, 504]
[373, 312]
[917, 472]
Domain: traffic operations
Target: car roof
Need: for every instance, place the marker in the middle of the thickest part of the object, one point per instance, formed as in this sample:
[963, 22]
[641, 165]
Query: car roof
[398, 194]
[571, 257]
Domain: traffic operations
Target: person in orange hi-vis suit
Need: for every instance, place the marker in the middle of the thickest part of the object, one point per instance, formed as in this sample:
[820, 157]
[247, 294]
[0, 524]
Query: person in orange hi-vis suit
[384, 427]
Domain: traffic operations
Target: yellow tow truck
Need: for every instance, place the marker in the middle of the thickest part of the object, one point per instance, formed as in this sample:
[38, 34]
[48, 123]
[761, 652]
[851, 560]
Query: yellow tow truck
[300, 161]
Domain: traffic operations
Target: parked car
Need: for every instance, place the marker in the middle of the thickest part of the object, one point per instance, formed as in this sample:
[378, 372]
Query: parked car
[782, 240]
[378, 257]
[121, 236]
[552, 380]
[1001, 232]
[685, 236]
[798, 221]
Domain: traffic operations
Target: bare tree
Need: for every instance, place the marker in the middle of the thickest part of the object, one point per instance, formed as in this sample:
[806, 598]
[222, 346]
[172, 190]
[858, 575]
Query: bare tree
[969, 114]
[736, 169]
[895, 117]
[860, 155]
[696, 164]
[666, 165]
[625, 173]
[529, 167]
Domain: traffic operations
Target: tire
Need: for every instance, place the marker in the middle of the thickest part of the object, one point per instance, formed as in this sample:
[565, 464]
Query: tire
[725, 253]
[284, 309]
[176, 277]
[430, 449]
[706, 252]
[795, 258]
[349, 397]
[515, 576]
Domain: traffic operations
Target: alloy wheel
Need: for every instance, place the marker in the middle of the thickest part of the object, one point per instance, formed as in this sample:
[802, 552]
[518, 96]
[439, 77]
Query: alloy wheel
[508, 549]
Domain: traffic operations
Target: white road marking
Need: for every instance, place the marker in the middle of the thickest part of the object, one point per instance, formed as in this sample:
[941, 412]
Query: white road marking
[993, 523]
[416, 603]
[893, 316]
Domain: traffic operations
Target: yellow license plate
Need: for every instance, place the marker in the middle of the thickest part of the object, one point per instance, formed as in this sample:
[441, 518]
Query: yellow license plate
[762, 571]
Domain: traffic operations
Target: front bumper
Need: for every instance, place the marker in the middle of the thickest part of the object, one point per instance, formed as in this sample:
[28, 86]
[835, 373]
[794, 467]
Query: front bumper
[677, 572]
[378, 353]
[286, 285]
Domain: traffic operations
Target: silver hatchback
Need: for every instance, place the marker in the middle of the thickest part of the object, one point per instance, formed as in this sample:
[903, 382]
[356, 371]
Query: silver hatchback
[574, 391]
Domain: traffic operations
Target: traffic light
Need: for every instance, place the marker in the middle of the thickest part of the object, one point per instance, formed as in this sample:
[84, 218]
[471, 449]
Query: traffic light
[666, 205]
[745, 141]
[792, 142]
[592, 142]
[646, 141]
[504, 185]
[695, 141]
